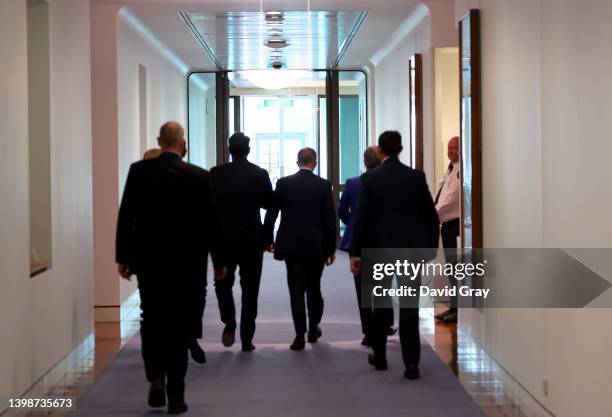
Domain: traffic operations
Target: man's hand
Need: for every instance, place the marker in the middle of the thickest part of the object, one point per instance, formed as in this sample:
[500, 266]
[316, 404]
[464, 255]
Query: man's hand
[270, 248]
[124, 271]
[355, 266]
[330, 260]
[220, 273]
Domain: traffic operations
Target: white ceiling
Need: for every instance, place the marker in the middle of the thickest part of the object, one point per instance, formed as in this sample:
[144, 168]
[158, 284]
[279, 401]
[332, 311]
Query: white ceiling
[238, 40]
[383, 18]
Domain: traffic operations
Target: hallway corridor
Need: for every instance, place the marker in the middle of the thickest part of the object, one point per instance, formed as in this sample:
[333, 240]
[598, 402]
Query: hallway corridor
[502, 106]
[329, 378]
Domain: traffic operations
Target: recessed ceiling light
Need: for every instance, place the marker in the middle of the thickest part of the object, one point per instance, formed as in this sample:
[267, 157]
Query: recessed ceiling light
[274, 79]
[274, 16]
[276, 43]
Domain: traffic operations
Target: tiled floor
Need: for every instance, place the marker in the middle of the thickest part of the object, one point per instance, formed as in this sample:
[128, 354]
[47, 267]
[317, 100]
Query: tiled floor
[478, 373]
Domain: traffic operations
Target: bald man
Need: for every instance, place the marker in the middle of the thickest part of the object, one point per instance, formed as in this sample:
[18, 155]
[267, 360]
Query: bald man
[306, 241]
[168, 222]
[448, 205]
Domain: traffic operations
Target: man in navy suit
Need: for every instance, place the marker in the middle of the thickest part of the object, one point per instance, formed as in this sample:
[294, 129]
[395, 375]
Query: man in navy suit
[395, 210]
[306, 241]
[350, 196]
[346, 211]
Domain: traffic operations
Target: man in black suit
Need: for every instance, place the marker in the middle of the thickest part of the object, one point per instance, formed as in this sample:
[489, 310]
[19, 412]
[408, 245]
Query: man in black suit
[395, 210]
[306, 241]
[243, 189]
[197, 353]
[168, 222]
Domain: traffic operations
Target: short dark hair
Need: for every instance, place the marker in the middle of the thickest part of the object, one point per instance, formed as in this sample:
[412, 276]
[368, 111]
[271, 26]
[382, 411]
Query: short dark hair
[371, 158]
[239, 145]
[306, 156]
[390, 142]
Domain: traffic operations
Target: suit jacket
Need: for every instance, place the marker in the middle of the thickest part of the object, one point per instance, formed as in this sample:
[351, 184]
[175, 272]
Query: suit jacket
[308, 219]
[346, 209]
[395, 210]
[168, 217]
[242, 189]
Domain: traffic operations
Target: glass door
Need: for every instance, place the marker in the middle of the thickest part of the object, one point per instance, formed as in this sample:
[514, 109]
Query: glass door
[279, 128]
[324, 110]
[352, 131]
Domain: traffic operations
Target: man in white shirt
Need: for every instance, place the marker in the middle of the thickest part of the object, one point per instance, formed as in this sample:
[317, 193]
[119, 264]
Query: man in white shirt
[448, 205]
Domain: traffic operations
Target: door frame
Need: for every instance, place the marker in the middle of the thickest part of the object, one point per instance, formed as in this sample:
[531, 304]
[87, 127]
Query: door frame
[415, 89]
[332, 89]
[471, 63]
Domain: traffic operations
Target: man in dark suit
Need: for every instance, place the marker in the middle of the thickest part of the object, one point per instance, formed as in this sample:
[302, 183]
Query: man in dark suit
[195, 349]
[350, 196]
[306, 241]
[395, 211]
[346, 213]
[168, 222]
[243, 189]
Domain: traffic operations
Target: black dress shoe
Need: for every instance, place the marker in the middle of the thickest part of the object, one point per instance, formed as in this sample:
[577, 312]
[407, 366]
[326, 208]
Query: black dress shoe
[391, 330]
[197, 354]
[440, 316]
[313, 336]
[248, 347]
[229, 334]
[412, 372]
[450, 318]
[157, 393]
[380, 365]
[298, 344]
[365, 341]
[177, 408]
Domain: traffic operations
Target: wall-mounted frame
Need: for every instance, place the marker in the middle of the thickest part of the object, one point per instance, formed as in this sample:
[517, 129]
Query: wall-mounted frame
[416, 110]
[471, 130]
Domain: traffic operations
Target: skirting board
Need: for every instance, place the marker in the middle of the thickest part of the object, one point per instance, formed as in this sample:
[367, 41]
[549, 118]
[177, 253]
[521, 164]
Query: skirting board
[115, 314]
[107, 314]
[512, 389]
[80, 359]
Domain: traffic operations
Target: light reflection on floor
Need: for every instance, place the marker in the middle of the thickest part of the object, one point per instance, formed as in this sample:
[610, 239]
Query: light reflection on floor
[478, 372]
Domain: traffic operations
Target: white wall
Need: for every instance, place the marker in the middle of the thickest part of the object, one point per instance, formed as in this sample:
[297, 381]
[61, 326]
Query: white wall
[44, 318]
[166, 92]
[105, 157]
[546, 105]
[433, 29]
[202, 120]
[446, 105]
[392, 76]
[121, 44]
